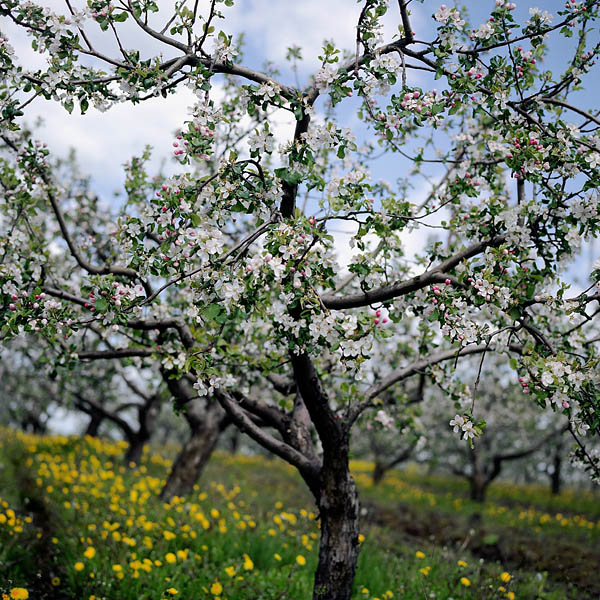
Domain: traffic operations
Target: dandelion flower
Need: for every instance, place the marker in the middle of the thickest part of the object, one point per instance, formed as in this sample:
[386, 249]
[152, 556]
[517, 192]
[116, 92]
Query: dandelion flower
[461, 563]
[170, 557]
[419, 554]
[300, 560]
[79, 566]
[90, 552]
[464, 581]
[19, 593]
[504, 577]
[216, 589]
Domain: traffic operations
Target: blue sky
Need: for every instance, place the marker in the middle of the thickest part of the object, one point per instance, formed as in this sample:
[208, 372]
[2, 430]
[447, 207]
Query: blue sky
[104, 141]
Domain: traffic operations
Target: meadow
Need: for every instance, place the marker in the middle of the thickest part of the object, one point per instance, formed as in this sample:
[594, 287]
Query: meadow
[76, 523]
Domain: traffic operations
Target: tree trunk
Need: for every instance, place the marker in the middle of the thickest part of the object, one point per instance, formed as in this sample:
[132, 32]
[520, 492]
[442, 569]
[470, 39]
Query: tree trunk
[339, 513]
[478, 489]
[378, 472]
[234, 441]
[555, 478]
[135, 450]
[94, 425]
[192, 458]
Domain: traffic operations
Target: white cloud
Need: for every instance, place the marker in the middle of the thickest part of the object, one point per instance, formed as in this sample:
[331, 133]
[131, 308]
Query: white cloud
[104, 141]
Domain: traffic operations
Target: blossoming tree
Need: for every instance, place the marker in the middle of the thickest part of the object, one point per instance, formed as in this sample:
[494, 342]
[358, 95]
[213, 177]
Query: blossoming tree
[227, 272]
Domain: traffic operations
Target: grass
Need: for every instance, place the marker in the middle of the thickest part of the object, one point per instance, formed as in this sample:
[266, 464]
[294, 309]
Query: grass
[75, 524]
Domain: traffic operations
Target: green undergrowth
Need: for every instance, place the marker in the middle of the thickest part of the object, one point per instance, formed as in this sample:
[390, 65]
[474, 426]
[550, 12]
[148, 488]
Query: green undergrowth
[78, 525]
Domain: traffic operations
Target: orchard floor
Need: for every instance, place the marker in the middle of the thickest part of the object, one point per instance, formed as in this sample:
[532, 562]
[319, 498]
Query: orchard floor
[76, 524]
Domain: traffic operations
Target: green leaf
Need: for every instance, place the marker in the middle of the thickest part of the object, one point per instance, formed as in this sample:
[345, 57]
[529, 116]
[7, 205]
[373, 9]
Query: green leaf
[101, 305]
[211, 311]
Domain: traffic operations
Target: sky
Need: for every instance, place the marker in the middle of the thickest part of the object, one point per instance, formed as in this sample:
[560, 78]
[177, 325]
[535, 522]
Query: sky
[105, 141]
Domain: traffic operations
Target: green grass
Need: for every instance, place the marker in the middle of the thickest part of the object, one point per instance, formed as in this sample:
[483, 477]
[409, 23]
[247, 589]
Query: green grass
[247, 532]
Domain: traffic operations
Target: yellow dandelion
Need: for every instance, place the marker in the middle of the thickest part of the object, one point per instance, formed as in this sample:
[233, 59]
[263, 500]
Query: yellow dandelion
[230, 571]
[300, 560]
[79, 566]
[461, 563]
[464, 581]
[248, 564]
[90, 552]
[172, 591]
[216, 589]
[170, 557]
[19, 593]
[504, 577]
[277, 556]
[419, 554]
[510, 595]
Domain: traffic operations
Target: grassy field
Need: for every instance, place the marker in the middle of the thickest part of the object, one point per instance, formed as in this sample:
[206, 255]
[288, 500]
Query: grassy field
[76, 524]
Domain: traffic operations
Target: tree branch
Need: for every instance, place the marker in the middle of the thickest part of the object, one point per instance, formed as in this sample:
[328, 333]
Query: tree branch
[436, 275]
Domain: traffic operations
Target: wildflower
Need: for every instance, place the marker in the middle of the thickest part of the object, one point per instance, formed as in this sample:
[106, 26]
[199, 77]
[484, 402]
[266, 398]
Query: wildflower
[361, 538]
[277, 556]
[19, 593]
[55, 581]
[300, 560]
[364, 591]
[117, 568]
[457, 423]
[510, 595]
[504, 577]
[419, 554]
[90, 552]
[169, 535]
[79, 566]
[170, 557]
[172, 591]
[230, 571]
[425, 570]
[216, 589]
[248, 564]
[464, 581]
[461, 563]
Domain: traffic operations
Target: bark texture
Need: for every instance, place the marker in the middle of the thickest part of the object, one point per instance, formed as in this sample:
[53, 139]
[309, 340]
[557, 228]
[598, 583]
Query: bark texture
[339, 513]
[205, 431]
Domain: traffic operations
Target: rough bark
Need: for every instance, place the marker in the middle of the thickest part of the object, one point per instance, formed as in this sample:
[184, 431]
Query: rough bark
[196, 452]
[339, 512]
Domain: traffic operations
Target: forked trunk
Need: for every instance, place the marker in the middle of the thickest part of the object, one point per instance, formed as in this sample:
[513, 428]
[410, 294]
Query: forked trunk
[190, 461]
[339, 514]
